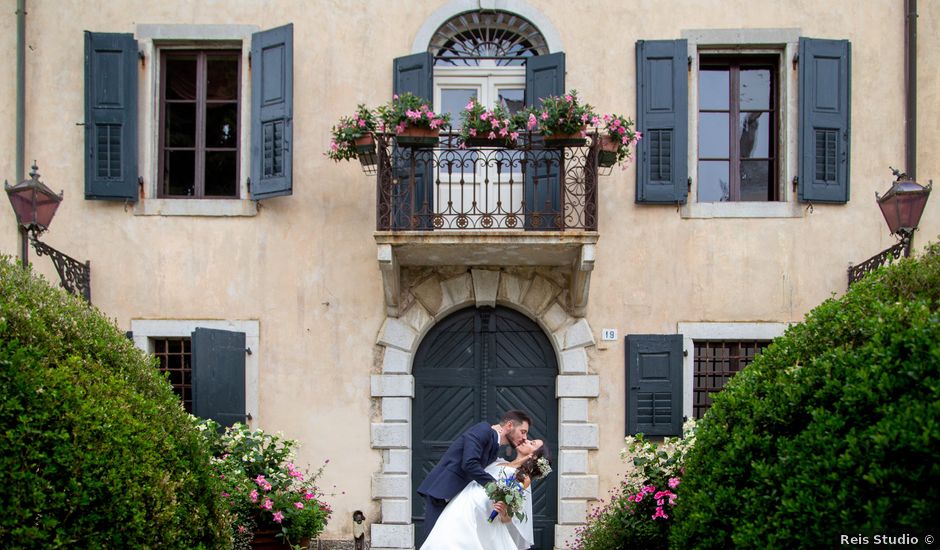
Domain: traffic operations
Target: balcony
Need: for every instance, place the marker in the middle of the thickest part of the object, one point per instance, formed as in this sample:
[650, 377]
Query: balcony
[534, 204]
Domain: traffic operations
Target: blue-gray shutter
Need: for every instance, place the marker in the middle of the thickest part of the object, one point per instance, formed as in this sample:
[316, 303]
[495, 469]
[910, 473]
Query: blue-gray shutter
[413, 74]
[218, 378]
[825, 108]
[654, 384]
[272, 112]
[110, 116]
[544, 77]
[663, 117]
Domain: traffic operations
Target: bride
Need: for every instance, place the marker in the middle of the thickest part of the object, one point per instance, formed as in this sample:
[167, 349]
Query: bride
[463, 524]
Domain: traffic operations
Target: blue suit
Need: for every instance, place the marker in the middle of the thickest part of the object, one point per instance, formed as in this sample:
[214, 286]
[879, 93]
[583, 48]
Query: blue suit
[463, 462]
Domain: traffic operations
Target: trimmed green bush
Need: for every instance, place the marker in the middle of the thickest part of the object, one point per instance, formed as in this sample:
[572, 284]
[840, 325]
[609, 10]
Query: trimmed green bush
[833, 430]
[97, 451]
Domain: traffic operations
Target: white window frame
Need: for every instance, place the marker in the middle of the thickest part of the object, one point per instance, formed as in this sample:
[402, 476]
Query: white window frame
[782, 42]
[716, 331]
[145, 330]
[152, 41]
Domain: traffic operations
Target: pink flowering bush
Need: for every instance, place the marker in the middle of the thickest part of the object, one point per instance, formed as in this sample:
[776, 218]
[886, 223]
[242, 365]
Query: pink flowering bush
[619, 132]
[263, 487]
[496, 124]
[343, 136]
[410, 110]
[562, 115]
[640, 511]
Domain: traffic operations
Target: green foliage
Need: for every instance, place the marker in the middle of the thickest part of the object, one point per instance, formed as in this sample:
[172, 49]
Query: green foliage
[343, 136]
[563, 114]
[408, 109]
[263, 488]
[639, 514]
[834, 429]
[97, 451]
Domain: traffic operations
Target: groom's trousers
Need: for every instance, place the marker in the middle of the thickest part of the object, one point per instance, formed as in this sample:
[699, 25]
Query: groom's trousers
[432, 510]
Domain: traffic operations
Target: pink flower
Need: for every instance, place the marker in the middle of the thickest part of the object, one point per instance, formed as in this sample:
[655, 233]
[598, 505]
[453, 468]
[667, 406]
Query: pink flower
[308, 496]
[266, 486]
[492, 135]
[334, 146]
[400, 128]
[485, 115]
[469, 105]
[673, 482]
[638, 136]
[544, 115]
[532, 121]
[253, 496]
[585, 117]
[362, 123]
[224, 494]
[504, 132]
[569, 98]
[268, 504]
[299, 505]
[638, 497]
[514, 136]
[278, 517]
[595, 121]
[260, 480]
[394, 96]
[241, 529]
[436, 122]
[472, 132]
[494, 123]
[660, 514]
[625, 140]
[649, 489]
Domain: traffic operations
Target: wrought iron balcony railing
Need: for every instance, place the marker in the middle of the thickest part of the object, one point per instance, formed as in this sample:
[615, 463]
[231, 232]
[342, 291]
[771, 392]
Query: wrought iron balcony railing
[533, 186]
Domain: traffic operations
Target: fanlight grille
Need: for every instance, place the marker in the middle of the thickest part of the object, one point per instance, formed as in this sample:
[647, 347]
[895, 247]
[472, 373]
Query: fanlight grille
[504, 37]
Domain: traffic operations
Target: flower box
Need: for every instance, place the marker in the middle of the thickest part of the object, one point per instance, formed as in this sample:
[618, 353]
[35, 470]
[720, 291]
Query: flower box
[365, 150]
[267, 539]
[607, 156]
[575, 139]
[412, 136]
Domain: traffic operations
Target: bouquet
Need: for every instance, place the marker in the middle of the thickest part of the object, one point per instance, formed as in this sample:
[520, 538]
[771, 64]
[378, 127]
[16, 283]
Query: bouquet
[509, 491]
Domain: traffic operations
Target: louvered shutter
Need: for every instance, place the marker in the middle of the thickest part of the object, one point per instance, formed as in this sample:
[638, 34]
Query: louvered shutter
[218, 377]
[654, 384]
[663, 118]
[825, 108]
[110, 116]
[544, 77]
[272, 112]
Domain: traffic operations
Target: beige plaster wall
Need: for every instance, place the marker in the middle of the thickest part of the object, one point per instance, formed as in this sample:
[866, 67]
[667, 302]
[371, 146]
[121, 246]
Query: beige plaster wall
[305, 266]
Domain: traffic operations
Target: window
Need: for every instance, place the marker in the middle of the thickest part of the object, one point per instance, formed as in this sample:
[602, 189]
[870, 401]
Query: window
[737, 128]
[175, 357]
[199, 124]
[715, 363]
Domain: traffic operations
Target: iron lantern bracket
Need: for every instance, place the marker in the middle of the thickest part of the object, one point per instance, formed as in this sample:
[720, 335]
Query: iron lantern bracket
[74, 276]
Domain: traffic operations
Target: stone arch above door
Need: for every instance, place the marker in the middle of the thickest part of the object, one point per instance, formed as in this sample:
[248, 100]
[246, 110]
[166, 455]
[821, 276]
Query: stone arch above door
[538, 293]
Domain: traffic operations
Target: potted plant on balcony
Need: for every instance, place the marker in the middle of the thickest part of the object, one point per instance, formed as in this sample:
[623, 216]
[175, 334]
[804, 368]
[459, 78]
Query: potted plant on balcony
[616, 140]
[563, 120]
[353, 138]
[487, 128]
[273, 503]
[412, 121]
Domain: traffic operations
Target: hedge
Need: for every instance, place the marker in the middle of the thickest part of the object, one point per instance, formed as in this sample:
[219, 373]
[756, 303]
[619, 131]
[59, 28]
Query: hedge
[97, 450]
[833, 430]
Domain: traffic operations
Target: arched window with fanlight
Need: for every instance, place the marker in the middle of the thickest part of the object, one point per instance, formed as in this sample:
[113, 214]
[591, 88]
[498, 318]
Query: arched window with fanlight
[494, 57]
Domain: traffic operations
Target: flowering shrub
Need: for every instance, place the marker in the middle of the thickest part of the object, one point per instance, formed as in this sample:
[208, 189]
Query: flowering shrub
[619, 131]
[408, 109]
[561, 115]
[639, 513]
[344, 135]
[478, 122]
[265, 490]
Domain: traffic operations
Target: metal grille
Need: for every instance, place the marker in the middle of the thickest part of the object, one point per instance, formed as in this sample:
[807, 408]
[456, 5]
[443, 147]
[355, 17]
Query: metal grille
[826, 141]
[504, 37]
[716, 363]
[109, 151]
[175, 356]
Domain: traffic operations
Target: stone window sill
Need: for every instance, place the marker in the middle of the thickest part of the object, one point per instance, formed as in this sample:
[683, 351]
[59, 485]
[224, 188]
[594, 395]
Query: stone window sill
[741, 210]
[196, 207]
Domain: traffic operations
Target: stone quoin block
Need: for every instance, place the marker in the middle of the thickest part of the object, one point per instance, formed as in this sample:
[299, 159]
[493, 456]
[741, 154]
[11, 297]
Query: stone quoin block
[579, 436]
[393, 385]
[578, 385]
[391, 436]
[392, 536]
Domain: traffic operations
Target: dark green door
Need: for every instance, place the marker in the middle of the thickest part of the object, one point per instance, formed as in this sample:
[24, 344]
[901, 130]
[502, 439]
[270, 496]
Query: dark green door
[471, 367]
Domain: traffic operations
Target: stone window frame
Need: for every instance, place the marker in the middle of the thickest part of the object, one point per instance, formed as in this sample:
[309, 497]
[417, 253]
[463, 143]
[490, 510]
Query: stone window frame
[152, 40]
[143, 330]
[717, 331]
[785, 43]
[576, 388]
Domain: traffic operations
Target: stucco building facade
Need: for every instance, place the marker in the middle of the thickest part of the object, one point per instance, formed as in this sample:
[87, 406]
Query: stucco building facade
[350, 316]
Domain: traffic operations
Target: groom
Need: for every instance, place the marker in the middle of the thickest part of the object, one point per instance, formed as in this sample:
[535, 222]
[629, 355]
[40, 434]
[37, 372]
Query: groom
[465, 460]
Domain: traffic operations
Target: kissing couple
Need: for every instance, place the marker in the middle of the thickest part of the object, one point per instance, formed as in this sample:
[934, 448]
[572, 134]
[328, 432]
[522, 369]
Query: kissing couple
[456, 502]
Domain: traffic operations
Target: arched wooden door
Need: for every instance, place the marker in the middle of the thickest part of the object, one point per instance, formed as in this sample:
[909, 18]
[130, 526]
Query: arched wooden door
[471, 367]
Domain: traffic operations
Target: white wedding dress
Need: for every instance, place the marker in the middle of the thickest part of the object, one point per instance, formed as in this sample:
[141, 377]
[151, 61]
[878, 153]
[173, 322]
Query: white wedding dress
[463, 526]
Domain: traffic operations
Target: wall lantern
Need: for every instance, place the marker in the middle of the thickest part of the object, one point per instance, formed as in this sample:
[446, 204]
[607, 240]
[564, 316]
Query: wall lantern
[35, 205]
[902, 207]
